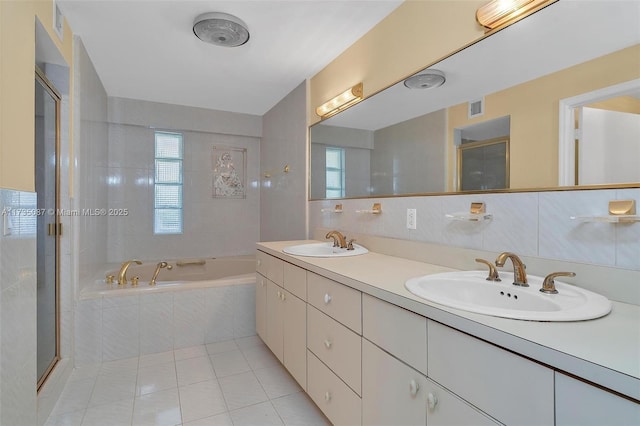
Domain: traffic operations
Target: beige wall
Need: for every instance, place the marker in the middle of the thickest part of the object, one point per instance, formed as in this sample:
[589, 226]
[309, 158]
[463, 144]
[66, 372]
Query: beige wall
[620, 104]
[534, 122]
[17, 44]
[415, 35]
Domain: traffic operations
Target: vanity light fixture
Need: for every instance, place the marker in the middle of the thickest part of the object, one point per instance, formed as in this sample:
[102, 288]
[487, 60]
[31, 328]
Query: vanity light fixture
[340, 102]
[221, 29]
[500, 12]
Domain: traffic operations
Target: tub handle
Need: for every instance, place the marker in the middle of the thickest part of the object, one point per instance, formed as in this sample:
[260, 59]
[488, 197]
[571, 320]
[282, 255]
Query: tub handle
[191, 262]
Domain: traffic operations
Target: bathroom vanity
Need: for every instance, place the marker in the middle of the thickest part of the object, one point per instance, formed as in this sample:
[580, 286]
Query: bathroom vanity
[369, 352]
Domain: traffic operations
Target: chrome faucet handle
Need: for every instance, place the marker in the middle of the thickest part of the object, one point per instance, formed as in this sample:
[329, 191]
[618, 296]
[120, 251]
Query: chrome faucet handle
[549, 285]
[350, 244]
[493, 271]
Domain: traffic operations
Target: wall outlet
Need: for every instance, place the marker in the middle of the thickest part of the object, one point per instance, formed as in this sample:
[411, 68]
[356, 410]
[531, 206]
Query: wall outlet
[411, 219]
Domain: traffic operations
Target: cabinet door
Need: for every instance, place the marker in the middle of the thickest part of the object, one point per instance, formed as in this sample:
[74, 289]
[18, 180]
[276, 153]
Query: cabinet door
[295, 337]
[392, 392]
[261, 307]
[398, 331]
[446, 409]
[506, 386]
[275, 316]
[579, 403]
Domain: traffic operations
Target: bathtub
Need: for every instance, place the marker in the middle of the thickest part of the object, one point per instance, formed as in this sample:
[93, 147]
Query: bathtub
[191, 305]
[185, 274]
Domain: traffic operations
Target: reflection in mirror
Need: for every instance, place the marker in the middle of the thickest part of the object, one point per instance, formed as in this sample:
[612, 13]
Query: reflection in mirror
[483, 155]
[603, 134]
[407, 141]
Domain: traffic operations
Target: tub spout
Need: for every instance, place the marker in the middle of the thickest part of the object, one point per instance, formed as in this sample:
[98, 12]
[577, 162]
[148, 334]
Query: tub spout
[157, 271]
[122, 275]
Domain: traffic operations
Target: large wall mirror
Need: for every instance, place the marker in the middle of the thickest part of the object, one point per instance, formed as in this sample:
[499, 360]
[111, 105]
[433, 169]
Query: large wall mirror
[505, 116]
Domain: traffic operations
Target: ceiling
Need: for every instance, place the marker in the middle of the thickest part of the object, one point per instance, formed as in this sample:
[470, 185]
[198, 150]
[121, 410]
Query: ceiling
[563, 34]
[145, 49]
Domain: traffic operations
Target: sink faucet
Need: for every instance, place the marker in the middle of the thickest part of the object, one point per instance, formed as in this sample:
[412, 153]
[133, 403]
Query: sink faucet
[122, 275]
[157, 271]
[339, 240]
[519, 273]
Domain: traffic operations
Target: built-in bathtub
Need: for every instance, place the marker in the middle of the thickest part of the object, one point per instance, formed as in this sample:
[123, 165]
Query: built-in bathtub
[191, 305]
[185, 274]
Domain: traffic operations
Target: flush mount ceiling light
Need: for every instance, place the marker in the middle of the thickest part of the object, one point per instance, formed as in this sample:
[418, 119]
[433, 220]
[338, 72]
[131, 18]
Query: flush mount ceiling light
[221, 29]
[427, 79]
[340, 102]
[500, 12]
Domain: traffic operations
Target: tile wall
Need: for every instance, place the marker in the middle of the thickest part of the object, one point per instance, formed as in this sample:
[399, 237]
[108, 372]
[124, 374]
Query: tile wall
[283, 208]
[17, 320]
[534, 224]
[112, 328]
[213, 227]
[90, 173]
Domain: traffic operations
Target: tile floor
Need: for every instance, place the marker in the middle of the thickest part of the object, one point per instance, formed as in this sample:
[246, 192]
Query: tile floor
[236, 382]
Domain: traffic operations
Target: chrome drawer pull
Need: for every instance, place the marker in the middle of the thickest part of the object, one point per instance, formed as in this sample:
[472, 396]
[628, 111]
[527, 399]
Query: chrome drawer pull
[327, 298]
[327, 344]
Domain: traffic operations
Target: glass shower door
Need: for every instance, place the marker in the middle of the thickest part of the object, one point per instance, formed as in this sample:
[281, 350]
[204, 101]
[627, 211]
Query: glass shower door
[47, 108]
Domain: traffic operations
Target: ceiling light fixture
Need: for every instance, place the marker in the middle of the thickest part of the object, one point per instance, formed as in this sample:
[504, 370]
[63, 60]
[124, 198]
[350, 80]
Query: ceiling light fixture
[221, 29]
[340, 102]
[427, 79]
[500, 12]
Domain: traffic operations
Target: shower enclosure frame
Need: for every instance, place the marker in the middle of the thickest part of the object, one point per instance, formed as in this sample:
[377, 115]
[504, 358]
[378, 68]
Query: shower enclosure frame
[56, 229]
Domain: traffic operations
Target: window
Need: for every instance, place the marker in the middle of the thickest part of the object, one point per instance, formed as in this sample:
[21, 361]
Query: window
[168, 184]
[335, 172]
[22, 211]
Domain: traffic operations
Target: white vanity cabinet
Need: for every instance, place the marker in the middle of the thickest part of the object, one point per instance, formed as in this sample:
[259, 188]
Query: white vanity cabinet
[364, 360]
[281, 316]
[581, 404]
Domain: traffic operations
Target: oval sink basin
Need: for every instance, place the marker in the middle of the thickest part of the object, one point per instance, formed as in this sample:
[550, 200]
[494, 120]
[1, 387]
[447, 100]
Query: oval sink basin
[470, 291]
[324, 250]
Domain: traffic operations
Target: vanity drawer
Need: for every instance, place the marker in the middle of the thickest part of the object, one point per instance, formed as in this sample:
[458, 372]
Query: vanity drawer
[261, 263]
[270, 267]
[400, 332]
[295, 280]
[340, 302]
[337, 346]
[339, 403]
[508, 387]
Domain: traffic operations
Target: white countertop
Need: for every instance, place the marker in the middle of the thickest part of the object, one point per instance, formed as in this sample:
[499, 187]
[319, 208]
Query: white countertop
[605, 351]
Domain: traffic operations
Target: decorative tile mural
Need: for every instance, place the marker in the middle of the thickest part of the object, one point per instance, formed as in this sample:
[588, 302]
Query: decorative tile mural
[229, 176]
